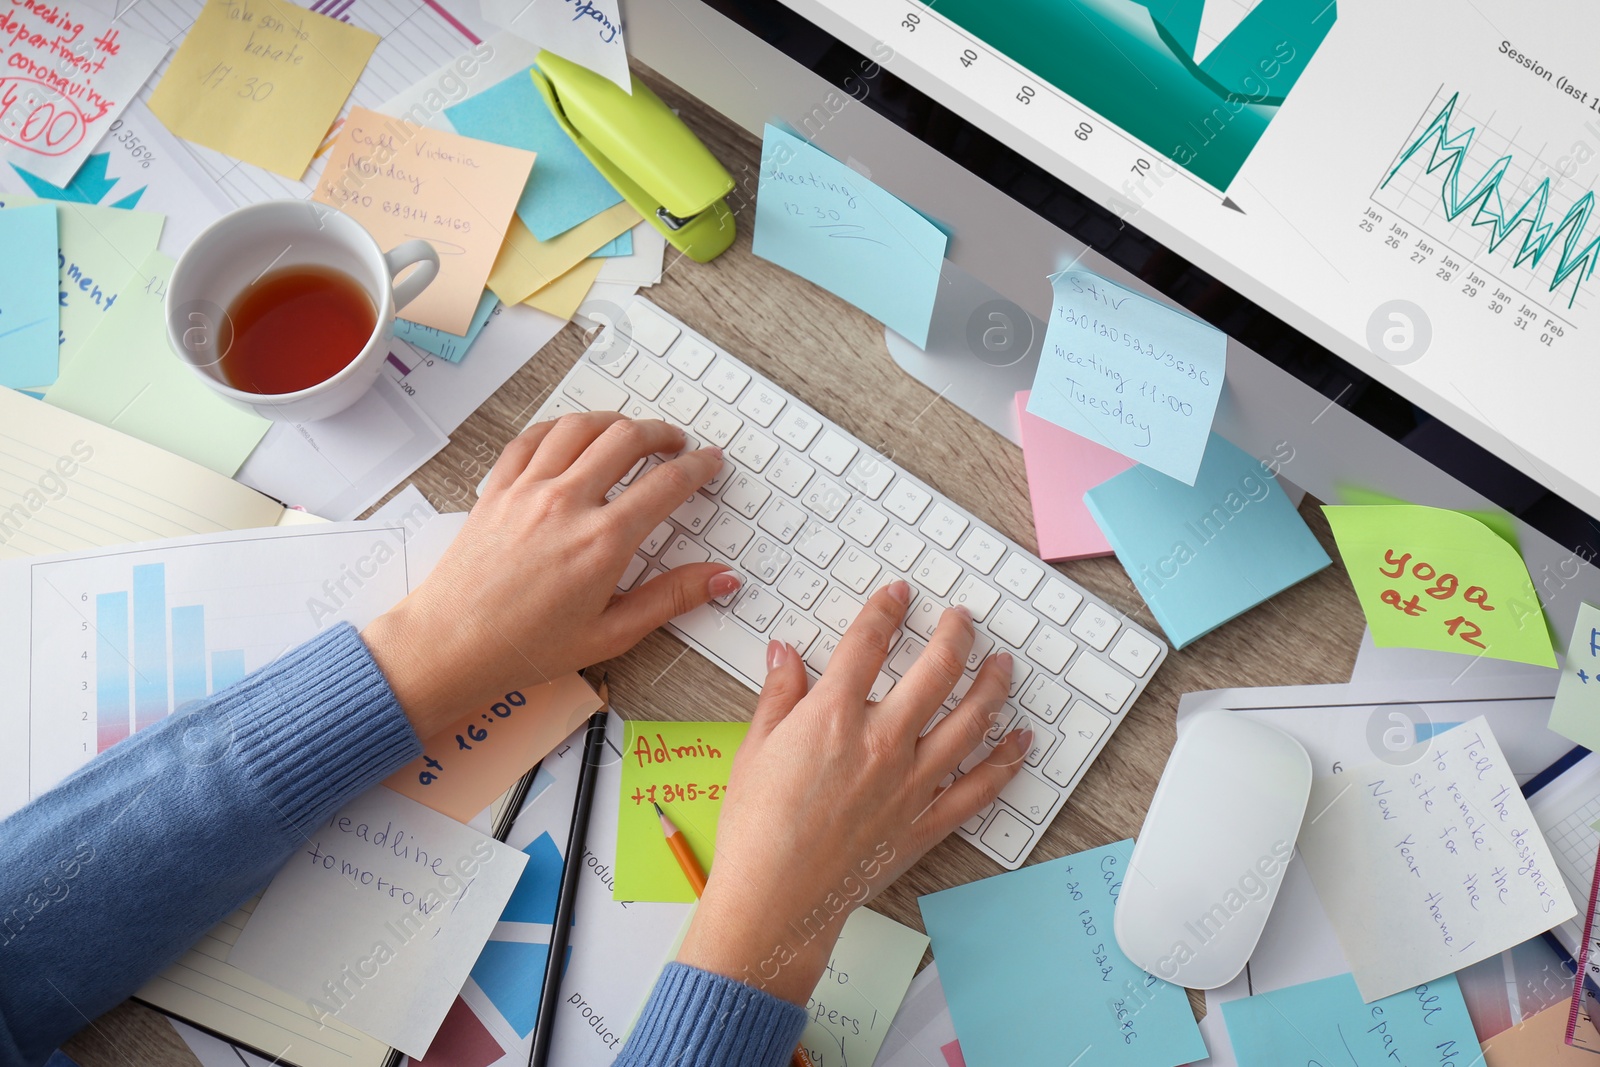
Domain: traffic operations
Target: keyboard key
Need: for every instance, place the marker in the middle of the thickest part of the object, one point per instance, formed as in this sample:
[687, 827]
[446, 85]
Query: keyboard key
[900, 547]
[978, 596]
[759, 607]
[1095, 627]
[631, 573]
[690, 356]
[905, 656]
[937, 573]
[943, 526]
[782, 520]
[802, 585]
[638, 409]
[745, 493]
[797, 630]
[1020, 670]
[717, 425]
[825, 498]
[818, 544]
[766, 560]
[907, 501]
[880, 686]
[762, 404]
[555, 408]
[982, 645]
[855, 570]
[1100, 682]
[871, 476]
[1057, 601]
[593, 390]
[963, 684]
[1012, 623]
[647, 378]
[975, 823]
[1051, 649]
[658, 537]
[924, 616]
[728, 535]
[1043, 742]
[790, 473]
[833, 453]
[754, 450]
[862, 523]
[726, 381]
[1019, 576]
[695, 513]
[821, 652]
[837, 610]
[737, 647]
[681, 551]
[720, 479]
[981, 551]
[1000, 722]
[1134, 652]
[797, 429]
[613, 359]
[1082, 727]
[1045, 698]
[650, 330]
[1030, 795]
[1006, 836]
[682, 402]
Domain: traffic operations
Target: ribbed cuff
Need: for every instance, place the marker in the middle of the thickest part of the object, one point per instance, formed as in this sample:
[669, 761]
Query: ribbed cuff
[698, 1019]
[318, 726]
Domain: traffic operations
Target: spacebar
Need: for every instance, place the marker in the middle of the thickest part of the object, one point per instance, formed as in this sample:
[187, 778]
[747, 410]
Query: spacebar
[725, 639]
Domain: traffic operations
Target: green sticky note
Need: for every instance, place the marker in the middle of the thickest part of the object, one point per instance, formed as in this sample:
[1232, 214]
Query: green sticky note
[126, 376]
[1576, 712]
[100, 249]
[683, 766]
[868, 972]
[1438, 579]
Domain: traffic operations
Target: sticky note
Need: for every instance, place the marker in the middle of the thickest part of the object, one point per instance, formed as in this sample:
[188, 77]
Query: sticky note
[469, 763]
[1540, 1041]
[126, 376]
[1431, 861]
[526, 264]
[381, 889]
[565, 188]
[621, 245]
[261, 81]
[1576, 711]
[825, 222]
[1033, 973]
[100, 247]
[1129, 373]
[29, 320]
[868, 972]
[562, 297]
[452, 347]
[587, 32]
[1062, 467]
[1326, 1022]
[1437, 579]
[402, 182]
[1203, 554]
[683, 766]
[70, 71]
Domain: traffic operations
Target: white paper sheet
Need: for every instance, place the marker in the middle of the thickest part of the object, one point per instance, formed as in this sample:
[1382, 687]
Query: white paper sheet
[922, 1029]
[588, 32]
[1429, 867]
[379, 915]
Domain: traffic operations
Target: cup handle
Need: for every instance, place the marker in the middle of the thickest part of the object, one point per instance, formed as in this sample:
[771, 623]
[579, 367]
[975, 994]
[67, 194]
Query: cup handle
[404, 255]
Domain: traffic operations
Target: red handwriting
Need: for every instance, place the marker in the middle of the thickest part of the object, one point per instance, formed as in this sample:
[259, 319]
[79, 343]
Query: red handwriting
[1443, 587]
[680, 792]
[35, 117]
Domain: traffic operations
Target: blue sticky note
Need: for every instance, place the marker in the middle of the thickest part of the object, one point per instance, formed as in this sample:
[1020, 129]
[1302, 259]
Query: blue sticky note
[1034, 975]
[1201, 554]
[447, 345]
[817, 217]
[30, 324]
[1326, 1022]
[1129, 373]
[620, 245]
[564, 188]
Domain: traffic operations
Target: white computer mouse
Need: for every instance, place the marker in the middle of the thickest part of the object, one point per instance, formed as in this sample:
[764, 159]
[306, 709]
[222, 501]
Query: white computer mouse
[1210, 858]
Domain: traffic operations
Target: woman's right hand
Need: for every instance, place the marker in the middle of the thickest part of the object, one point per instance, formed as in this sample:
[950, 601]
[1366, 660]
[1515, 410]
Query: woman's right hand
[832, 797]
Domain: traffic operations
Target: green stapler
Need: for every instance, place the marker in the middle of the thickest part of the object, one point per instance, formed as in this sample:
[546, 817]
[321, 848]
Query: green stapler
[646, 151]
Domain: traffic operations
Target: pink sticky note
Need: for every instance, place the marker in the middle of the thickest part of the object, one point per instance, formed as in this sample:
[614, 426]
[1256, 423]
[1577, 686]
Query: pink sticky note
[952, 1055]
[1062, 467]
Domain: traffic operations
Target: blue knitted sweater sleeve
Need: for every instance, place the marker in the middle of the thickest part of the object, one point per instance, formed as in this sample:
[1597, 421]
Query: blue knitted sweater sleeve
[697, 1019]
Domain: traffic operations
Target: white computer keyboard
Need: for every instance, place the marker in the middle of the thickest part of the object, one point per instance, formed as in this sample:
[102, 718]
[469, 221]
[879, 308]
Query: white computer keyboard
[816, 521]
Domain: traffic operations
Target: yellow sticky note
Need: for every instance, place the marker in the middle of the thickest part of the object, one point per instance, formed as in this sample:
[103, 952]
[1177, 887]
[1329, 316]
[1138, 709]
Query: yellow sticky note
[526, 264]
[1438, 579]
[261, 81]
[683, 766]
[562, 296]
[403, 181]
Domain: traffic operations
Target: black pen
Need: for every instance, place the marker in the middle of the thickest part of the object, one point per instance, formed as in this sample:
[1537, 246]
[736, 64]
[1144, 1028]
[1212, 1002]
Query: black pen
[593, 747]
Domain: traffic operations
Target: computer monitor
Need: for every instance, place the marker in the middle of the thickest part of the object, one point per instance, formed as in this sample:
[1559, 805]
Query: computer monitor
[1385, 207]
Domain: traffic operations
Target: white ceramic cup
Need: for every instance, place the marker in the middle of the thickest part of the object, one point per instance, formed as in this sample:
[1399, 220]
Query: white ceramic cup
[237, 249]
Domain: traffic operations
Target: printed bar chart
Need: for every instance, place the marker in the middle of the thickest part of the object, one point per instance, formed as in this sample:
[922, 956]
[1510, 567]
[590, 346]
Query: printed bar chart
[113, 703]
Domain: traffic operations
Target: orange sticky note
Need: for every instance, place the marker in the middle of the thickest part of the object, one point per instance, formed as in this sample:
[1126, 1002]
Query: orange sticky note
[403, 181]
[1540, 1041]
[469, 763]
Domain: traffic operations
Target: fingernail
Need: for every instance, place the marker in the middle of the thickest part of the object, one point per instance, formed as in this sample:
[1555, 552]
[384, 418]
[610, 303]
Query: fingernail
[723, 584]
[963, 611]
[713, 451]
[900, 591]
[1002, 660]
[1025, 738]
[777, 654]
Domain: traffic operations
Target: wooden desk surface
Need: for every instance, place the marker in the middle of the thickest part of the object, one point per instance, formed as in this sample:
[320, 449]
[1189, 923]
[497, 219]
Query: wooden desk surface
[831, 354]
